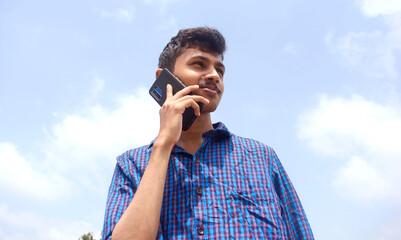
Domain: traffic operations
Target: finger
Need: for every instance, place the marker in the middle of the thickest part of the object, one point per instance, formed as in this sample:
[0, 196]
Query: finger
[189, 103]
[186, 91]
[196, 98]
[169, 90]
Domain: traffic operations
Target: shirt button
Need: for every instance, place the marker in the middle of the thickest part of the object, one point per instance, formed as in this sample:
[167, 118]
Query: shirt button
[197, 160]
[201, 231]
[199, 191]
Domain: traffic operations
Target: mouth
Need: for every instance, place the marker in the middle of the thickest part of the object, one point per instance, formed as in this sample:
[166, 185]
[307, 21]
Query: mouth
[210, 87]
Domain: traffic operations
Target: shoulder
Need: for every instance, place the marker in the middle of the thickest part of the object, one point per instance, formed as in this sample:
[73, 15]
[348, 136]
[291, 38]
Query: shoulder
[251, 145]
[134, 159]
[242, 144]
[255, 155]
[134, 153]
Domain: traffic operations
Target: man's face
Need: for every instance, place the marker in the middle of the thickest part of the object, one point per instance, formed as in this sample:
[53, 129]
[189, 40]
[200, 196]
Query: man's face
[196, 67]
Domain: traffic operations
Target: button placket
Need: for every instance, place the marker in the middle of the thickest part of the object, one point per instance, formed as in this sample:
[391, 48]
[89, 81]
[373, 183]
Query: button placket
[199, 189]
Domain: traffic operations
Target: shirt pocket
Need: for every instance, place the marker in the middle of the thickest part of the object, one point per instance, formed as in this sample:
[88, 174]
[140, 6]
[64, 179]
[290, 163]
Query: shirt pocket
[253, 215]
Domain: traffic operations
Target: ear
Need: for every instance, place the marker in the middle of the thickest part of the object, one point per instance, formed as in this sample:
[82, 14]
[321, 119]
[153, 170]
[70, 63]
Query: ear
[158, 71]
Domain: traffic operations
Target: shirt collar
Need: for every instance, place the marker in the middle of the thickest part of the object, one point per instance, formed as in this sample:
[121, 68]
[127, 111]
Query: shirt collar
[219, 131]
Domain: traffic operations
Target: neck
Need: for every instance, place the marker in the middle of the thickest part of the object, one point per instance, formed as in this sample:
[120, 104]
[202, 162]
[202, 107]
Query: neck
[191, 140]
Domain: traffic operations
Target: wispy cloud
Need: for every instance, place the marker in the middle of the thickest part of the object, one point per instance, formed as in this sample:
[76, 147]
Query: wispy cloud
[372, 52]
[391, 230]
[169, 25]
[164, 2]
[290, 49]
[363, 136]
[121, 14]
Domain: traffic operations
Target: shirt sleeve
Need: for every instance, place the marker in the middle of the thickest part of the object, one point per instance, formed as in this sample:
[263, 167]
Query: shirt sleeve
[121, 192]
[125, 181]
[292, 211]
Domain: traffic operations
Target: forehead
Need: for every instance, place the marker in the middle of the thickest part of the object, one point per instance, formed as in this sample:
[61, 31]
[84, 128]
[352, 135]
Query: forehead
[190, 53]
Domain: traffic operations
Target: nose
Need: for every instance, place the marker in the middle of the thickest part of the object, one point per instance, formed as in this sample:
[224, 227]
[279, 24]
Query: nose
[213, 76]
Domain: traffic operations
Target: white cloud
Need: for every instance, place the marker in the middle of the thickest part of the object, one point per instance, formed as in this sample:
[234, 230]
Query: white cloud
[26, 225]
[18, 175]
[373, 8]
[364, 134]
[85, 145]
[360, 180]
[121, 14]
[78, 159]
[79, 151]
[337, 126]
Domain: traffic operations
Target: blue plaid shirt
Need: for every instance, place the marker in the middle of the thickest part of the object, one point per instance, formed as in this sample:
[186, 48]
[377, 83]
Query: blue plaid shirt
[232, 188]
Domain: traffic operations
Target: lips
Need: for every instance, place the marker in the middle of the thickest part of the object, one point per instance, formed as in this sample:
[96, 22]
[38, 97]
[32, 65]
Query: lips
[210, 87]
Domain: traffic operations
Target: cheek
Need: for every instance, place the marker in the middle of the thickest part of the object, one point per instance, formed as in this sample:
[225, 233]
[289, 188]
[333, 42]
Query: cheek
[221, 87]
[188, 78]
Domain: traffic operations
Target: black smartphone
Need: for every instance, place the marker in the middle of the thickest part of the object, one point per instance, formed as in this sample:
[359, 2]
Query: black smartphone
[159, 92]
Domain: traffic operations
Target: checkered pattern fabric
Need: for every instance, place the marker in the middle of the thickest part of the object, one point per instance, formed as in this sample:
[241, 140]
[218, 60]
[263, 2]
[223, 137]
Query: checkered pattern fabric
[232, 188]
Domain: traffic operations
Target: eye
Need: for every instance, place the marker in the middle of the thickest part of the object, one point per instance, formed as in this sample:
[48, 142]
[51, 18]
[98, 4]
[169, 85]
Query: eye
[198, 63]
[220, 71]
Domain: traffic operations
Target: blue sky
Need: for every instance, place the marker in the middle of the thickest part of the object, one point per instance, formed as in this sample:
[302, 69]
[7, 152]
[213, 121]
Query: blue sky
[318, 81]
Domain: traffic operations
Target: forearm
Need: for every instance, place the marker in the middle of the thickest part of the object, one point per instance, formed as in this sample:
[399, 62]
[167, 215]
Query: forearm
[141, 219]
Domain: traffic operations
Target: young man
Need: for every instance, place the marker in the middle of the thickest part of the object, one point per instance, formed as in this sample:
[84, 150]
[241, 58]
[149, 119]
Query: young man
[205, 182]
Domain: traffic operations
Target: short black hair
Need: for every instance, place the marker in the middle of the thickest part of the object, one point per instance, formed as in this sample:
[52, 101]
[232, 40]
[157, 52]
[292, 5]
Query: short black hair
[205, 38]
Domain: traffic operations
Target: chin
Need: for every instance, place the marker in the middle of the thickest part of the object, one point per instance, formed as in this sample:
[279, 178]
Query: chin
[209, 109]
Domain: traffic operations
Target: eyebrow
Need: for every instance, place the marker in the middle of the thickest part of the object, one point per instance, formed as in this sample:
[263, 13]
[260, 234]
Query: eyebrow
[220, 64]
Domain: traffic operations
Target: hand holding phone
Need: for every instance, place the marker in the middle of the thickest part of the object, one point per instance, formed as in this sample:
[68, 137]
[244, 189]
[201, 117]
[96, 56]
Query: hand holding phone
[159, 92]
